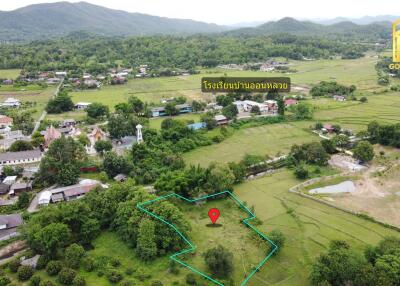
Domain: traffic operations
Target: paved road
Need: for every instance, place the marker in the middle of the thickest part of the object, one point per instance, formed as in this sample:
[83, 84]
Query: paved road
[44, 113]
[33, 206]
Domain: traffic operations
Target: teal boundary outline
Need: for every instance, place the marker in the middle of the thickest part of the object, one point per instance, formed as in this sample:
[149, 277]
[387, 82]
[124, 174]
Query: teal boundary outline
[192, 247]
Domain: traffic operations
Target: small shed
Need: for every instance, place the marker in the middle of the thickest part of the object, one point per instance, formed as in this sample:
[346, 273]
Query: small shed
[120, 178]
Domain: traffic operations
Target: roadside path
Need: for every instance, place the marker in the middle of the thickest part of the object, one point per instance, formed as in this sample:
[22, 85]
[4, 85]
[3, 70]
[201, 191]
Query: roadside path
[44, 113]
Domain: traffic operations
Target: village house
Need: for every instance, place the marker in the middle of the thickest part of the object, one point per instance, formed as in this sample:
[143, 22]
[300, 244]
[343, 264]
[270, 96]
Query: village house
[82, 105]
[120, 178]
[182, 108]
[53, 80]
[7, 81]
[339, 97]
[91, 83]
[20, 158]
[290, 102]
[5, 122]
[118, 80]
[61, 73]
[9, 137]
[20, 187]
[221, 119]
[68, 193]
[328, 128]
[9, 180]
[4, 188]
[11, 102]
[68, 122]
[247, 105]
[8, 225]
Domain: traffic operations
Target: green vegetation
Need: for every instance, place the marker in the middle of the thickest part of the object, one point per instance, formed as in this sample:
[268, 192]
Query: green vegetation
[9, 74]
[263, 140]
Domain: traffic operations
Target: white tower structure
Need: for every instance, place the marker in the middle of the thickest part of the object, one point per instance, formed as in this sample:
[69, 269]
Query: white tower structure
[139, 136]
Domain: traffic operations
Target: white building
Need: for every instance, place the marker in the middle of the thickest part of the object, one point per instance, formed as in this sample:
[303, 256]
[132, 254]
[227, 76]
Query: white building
[11, 102]
[82, 105]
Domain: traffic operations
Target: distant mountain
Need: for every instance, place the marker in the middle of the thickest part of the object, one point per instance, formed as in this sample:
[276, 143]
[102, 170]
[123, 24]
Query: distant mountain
[58, 19]
[360, 21]
[374, 31]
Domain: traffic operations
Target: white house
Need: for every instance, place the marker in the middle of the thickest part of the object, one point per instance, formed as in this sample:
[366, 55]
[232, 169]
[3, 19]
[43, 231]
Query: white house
[44, 198]
[11, 102]
[82, 105]
[20, 158]
[61, 73]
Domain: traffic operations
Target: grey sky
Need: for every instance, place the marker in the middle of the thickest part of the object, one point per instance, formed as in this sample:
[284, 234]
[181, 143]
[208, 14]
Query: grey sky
[234, 11]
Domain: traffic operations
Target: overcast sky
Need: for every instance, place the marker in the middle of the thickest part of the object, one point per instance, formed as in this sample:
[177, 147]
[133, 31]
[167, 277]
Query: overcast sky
[237, 11]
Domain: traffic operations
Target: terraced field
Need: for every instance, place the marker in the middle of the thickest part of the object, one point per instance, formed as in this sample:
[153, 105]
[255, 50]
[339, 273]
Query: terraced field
[262, 140]
[384, 108]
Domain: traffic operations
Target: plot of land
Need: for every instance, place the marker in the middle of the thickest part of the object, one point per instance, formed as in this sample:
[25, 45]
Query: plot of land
[263, 140]
[229, 232]
[9, 74]
[308, 226]
[39, 98]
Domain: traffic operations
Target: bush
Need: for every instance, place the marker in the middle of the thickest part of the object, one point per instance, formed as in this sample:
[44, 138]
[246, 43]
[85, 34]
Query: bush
[126, 283]
[156, 283]
[191, 279]
[42, 262]
[4, 281]
[35, 281]
[13, 265]
[301, 172]
[219, 260]
[129, 271]
[53, 267]
[24, 272]
[88, 264]
[66, 276]
[115, 262]
[114, 276]
[79, 281]
[73, 255]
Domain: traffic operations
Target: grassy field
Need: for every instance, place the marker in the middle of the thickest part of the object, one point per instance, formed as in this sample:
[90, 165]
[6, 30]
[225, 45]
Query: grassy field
[360, 72]
[10, 73]
[262, 140]
[384, 108]
[307, 225]
[40, 97]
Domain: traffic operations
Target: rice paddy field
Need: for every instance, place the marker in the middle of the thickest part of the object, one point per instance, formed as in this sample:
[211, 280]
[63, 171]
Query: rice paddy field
[9, 73]
[262, 140]
[308, 226]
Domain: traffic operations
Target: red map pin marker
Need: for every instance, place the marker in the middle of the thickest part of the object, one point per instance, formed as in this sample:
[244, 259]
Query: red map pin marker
[214, 215]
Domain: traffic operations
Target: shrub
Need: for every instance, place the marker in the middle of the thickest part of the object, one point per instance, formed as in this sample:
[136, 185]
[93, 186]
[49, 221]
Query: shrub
[126, 283]
[219, 260]
[301, 172]
[73, 255]
[4, 281]
[88, 264]
[35, 281]
[156, 283]
[114, 276]
[191, 279]
[79, 281]
[42, 262]
[13, 265]
[24, 272]
[53, 267]
[129, 271]
[115, 262]
[66, 276]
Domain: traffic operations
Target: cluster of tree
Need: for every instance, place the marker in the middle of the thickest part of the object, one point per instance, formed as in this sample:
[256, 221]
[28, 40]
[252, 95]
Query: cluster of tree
[56, 227]
[308, 153]
[60, 103]
[61, 163]
[302, 111]
[330, 88]
[388, 135]
[341, 265]
[22, 119]
[97, 54]
[196, 181]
